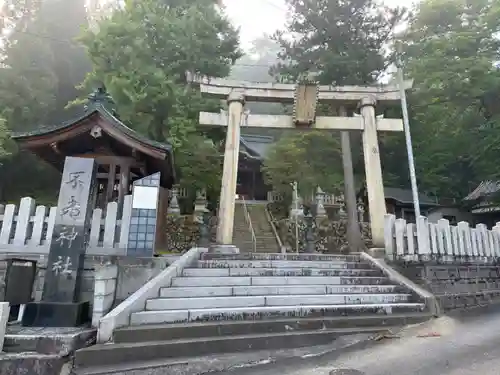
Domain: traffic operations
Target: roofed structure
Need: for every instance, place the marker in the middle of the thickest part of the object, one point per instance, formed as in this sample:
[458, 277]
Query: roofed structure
[405, 196]
[483, 198]
[255, 146]
[123, 155]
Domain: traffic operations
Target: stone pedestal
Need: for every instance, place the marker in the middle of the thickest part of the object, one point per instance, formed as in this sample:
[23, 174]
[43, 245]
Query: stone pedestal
[60, 306]
[224, 249]
[56, 314]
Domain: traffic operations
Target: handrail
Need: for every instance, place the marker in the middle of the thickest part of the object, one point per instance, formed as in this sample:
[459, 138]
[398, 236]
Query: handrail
[250, 226]
[270, 219]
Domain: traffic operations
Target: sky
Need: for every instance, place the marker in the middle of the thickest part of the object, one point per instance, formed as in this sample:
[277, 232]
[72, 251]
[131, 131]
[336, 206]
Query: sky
[256, 17]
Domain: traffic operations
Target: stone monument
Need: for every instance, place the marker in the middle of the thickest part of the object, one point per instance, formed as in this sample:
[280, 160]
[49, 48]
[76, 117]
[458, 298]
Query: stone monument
[60, 305]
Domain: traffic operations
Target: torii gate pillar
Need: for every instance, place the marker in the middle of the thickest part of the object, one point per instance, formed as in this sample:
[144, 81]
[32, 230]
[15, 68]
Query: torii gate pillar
[373, 170]
[236, 102]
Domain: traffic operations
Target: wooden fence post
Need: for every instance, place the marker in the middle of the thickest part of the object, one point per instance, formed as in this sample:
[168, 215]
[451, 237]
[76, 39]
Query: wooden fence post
[38, 224]
[423, 237]
[26, 210]
[8, 220]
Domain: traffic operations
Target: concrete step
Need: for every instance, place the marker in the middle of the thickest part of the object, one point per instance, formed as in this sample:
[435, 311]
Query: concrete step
[269, 312]
[278, 256]
[219, 291]
[211, 329]
[225, 272]
[280, 264]
[160, 304]
[109, 354]
[278, 280]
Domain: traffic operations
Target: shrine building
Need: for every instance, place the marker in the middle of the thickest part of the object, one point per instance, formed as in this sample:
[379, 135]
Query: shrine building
[122, 154]
[250, 181]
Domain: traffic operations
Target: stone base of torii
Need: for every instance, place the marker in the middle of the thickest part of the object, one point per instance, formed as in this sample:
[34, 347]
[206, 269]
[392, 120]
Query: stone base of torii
[305, 98]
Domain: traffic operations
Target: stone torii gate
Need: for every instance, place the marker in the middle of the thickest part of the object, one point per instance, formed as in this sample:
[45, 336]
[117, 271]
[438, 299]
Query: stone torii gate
[305, 98]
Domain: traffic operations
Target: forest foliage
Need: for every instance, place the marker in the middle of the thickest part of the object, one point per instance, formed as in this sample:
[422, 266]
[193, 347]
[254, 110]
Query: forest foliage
[142, 51]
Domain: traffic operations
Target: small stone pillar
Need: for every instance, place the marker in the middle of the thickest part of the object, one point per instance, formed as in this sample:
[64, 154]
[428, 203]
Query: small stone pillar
[373, 171]
[202, 216]
[173, 207]
[4, 319]
[342, 207]
[361, 212]
[320, 204]
[310, 238]
[105, 284]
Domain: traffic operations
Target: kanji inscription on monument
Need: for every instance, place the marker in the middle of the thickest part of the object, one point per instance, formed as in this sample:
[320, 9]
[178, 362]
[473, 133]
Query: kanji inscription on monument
[72, 221]
[67, 249]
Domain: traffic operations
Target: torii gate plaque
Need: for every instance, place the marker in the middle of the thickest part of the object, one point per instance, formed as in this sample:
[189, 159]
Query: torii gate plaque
[305, 98]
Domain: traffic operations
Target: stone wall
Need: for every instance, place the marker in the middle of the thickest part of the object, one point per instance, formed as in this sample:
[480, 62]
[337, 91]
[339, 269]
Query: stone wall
[132, 273]
[456, 285]
[183, 233]
[330, 235]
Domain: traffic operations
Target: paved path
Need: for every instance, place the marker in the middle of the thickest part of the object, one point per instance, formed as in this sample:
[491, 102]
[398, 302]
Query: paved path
[468, 346]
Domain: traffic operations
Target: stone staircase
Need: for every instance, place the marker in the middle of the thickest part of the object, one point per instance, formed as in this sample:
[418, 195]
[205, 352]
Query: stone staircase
[264, 235]
[242, 237]
[235, 303]
[266, 240]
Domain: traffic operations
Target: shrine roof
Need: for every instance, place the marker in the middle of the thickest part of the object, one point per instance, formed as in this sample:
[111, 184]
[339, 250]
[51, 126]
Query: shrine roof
[257, 145]
[405, 196]
[100, 134]
[97, 110]
[485, 189]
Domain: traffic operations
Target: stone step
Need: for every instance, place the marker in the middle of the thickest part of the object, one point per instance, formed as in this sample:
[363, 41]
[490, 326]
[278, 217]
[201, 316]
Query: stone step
[219, 291]
[226, 272]
[208, 329]
[279, 264]
[258, 301]
[278, 280]
[110, 354]
[269, 312]
[279, 256]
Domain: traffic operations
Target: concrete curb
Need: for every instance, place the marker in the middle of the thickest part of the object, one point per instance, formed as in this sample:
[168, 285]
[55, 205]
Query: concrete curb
[430, 299]
[235, 361]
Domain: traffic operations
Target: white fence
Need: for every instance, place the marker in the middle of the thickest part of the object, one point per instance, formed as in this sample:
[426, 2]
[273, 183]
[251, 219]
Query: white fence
[440, 241]
[28, 228]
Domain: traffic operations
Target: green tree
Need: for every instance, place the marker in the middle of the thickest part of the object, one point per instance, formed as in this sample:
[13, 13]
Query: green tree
[309, 158]
[146, 53]
[40, 67]
[42, 64]
[338, 42]
[450, 50]
[4, 137]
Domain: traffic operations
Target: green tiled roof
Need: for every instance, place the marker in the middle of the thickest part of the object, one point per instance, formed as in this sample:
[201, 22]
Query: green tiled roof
[96, 108]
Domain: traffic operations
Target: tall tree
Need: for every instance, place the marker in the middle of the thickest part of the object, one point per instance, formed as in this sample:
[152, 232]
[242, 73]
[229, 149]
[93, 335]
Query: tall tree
[306, 157]
[450, 50]
[340, 41]
[40, 66]
[337, 42]
[145, 54]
